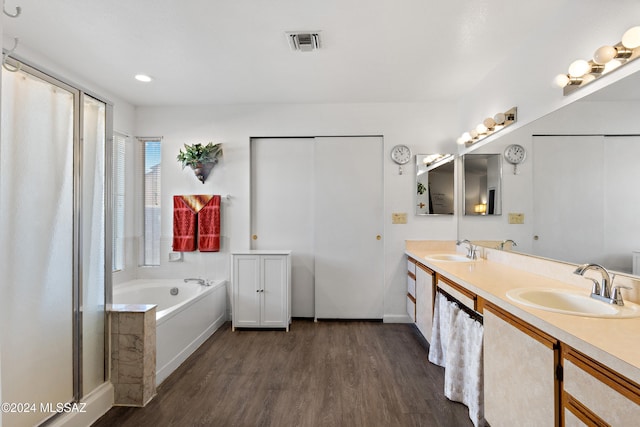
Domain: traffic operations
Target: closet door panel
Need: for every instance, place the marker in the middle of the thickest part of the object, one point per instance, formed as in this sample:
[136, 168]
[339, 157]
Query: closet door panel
[348, 227]
[282, 209]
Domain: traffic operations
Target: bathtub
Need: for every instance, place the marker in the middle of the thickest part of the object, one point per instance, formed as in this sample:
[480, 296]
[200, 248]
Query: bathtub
[183, 321]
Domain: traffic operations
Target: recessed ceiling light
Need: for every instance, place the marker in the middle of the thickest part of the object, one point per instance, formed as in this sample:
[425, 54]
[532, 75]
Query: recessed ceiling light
[143, 78]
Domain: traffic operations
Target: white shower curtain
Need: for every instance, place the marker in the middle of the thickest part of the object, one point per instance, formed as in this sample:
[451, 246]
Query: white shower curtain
[36, 243]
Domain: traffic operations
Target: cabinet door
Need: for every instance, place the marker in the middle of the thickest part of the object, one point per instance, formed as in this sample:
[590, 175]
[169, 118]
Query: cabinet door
[246, 290]
[424, 301]
[519, 372]
[274, 291]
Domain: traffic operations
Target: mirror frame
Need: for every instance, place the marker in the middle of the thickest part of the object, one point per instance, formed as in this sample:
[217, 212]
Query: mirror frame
[497, 202]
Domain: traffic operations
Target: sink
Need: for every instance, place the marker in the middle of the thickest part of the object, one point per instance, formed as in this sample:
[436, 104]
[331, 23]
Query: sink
[447, 257]
[577, 303]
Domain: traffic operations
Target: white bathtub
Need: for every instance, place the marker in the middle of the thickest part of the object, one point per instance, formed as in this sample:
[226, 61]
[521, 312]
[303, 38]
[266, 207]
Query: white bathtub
[183, 321]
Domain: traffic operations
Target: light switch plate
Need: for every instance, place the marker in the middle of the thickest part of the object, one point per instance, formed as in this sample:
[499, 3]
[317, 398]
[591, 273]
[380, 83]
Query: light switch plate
[398, 218]
[516, 218]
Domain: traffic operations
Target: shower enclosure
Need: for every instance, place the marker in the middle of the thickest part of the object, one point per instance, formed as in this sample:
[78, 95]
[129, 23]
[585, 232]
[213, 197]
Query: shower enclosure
[53, 235]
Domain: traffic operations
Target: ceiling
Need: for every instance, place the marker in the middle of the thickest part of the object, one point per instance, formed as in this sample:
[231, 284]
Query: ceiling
[235, 51]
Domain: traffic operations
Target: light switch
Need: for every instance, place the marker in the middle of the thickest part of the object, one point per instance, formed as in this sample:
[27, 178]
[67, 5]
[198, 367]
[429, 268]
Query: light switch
[516, 218]
[398, 218]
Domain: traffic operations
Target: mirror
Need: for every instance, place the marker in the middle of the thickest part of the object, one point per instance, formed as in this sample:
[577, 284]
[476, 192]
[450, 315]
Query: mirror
[577, 189]
[435, 184]
[482, 184]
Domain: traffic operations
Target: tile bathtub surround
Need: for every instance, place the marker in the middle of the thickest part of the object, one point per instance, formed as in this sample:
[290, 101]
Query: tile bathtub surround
[133, 353]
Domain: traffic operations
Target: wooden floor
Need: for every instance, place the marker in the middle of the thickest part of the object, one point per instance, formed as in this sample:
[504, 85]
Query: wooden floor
[318, 374]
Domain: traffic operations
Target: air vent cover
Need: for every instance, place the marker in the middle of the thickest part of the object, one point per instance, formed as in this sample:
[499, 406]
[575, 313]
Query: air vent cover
[304, 41]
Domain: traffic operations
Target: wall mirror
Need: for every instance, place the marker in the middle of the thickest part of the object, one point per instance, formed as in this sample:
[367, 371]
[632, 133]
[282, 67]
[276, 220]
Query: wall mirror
[577, 189]
[435, 186]
[482, 184]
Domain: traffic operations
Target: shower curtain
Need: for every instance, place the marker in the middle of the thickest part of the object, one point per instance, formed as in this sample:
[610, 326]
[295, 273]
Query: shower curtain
[36, 243]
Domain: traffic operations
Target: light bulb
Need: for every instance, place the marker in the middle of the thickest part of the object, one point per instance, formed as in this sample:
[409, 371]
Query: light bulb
[579, 68]
[631, 38]
[604, 54]
[611, 65]
[489, 122]
[460, 140]
[561, 80]
[499, 118]
[481, 128]
[466, 137]
[473, 133]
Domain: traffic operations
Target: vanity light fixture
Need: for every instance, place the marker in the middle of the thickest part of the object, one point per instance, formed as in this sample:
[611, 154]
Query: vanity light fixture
[605, 59]
[489, 126]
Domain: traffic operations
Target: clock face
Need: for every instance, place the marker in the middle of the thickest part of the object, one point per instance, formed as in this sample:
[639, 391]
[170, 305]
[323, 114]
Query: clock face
[401, 154]
[515, 154]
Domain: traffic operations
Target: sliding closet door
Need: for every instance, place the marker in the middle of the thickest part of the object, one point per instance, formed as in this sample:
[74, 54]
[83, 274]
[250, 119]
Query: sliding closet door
[349, 253]
[282, 211]
[36, 244]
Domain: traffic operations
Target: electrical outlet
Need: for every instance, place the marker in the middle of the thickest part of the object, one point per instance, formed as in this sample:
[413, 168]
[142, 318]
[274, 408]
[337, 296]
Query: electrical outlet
[398, 218]
[516, 218]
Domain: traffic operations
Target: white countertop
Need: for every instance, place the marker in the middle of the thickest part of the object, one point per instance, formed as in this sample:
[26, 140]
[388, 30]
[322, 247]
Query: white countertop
[613, 342]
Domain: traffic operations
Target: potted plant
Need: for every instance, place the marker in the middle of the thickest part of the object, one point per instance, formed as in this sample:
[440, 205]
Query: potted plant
[201, 158]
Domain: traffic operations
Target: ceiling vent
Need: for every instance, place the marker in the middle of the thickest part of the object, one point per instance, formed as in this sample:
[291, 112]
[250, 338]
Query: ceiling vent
[304, 41]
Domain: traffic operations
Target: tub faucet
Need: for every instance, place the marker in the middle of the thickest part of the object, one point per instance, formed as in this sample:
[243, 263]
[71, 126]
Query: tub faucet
[471, 249]
[504, 242]
[201, 281]
[600, 291]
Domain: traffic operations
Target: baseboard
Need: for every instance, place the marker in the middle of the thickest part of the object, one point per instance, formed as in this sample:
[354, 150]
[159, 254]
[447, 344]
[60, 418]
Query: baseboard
[92, 407]
[166, 370]
[397, 318]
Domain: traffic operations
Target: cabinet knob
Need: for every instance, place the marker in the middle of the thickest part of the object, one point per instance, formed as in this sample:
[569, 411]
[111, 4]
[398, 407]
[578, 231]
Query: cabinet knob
[254, 237]
[378, 237]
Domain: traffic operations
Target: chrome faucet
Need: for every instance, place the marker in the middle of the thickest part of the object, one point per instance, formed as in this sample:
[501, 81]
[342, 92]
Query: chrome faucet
[471, 249]
[604, 291]
[504, 242]
[201, 281]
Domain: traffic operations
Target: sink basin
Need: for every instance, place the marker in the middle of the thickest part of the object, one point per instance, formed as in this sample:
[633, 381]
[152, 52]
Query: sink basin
[447, 257]
[577, 303]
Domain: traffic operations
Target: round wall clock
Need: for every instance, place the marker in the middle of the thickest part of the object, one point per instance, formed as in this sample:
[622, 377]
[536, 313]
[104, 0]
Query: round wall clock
[515, 154]
[401, 154]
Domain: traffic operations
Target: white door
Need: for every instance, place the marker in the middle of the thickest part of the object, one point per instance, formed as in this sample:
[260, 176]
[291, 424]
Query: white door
[274, 290]
[282, 209]
[348, 228]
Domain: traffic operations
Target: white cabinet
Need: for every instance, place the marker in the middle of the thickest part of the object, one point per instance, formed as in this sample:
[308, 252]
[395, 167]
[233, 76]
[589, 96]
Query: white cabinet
[261, 289]
[519, 372]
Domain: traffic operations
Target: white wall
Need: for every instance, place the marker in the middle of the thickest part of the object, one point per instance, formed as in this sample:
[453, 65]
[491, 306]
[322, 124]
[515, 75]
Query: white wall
[425, 128]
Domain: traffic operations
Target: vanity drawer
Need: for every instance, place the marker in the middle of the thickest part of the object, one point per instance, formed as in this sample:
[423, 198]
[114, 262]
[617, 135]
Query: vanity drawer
[411, 286]
[465, 297]
[411, 266]
[411, 308]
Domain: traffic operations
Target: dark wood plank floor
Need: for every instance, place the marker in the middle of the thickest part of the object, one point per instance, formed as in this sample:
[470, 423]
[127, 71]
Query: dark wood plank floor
[318, 374]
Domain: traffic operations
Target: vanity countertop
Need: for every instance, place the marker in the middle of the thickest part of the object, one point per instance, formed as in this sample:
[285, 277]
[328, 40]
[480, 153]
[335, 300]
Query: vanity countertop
[613, 342]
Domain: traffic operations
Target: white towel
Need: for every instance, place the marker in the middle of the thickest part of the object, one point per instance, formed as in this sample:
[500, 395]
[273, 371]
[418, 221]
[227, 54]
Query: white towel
[443, 315]
[463, 377]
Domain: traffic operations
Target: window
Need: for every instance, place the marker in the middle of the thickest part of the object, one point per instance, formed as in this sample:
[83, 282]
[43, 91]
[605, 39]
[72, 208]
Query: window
[119, 143]
[152, 206]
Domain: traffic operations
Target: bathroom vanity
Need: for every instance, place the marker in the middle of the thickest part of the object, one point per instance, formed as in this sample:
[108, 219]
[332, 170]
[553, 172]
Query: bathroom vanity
[545, 367]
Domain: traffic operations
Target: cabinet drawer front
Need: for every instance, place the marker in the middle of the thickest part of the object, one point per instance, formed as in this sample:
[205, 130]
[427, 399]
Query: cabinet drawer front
[411, 308]
[411, 286]
[605, 402]
[464, 299]
[411, 266]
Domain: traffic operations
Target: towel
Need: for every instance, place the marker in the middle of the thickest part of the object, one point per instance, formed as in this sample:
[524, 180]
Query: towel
[463, 375]
[184, 226]
[444, 313]
[196, 223]
[209, 226]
